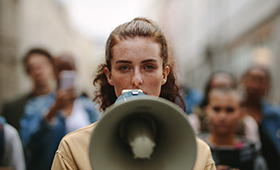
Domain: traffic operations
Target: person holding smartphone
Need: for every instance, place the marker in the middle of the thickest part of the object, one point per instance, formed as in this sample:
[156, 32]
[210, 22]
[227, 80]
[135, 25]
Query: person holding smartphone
[77, 109]
[46, 120]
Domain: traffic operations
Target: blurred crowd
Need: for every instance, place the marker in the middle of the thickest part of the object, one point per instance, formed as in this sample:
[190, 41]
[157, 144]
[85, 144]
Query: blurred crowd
[234, 117]
[34, 124]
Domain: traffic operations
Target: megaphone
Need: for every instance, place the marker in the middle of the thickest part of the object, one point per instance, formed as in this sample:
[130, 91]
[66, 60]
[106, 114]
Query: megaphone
[141, 132]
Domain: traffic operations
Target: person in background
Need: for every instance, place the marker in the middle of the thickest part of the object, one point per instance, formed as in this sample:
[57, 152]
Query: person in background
[45, 121]
[215, 80]
[81, 111]
[192, 97]
[11, 151]
[136, 57]
[40, 116]
[25, 113]
[39, 65]
[246, 127]
[256, 81]
[229, 151]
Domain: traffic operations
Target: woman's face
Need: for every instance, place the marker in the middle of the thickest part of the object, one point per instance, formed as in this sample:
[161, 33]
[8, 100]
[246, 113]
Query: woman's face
[136, 64]
[223, 111]
[256, 82]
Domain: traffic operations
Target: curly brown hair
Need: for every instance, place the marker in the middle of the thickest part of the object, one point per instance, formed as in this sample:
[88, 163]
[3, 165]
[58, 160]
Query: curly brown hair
[138, 27]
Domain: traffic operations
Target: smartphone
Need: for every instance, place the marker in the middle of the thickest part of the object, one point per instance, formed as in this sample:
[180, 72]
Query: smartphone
[67, 79]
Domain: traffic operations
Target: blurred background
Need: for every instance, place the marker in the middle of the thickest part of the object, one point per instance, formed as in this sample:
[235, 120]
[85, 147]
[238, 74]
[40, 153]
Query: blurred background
[206, 35]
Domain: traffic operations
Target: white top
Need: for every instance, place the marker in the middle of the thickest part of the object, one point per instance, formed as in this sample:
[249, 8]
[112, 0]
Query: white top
[251, 129]
[79, 117]
[13, 154]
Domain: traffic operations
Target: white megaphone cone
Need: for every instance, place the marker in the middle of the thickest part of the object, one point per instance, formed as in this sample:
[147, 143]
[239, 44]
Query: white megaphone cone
[143, 132]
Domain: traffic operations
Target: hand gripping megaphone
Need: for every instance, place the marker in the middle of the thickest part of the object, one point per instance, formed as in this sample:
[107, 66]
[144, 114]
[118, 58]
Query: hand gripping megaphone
[141, 132]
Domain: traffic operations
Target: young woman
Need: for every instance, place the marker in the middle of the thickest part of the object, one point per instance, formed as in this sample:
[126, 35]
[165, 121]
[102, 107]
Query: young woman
[199, 119]
[137, 57]
[229, 150]
[247, 126]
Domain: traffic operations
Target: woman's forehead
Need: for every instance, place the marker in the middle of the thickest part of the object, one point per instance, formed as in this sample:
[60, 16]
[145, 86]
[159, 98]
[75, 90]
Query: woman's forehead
[139, 47]
[221, 77]
[257, 72]
[134, 41]
[224, 96]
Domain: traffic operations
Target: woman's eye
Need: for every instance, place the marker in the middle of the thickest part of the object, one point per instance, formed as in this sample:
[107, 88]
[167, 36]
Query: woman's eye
[149, 67]
[230, 109]
[124, 68]
[216, 109]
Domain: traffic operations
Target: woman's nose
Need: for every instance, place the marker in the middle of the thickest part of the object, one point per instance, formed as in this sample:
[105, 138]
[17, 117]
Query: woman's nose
[222, 115]
[137, 78]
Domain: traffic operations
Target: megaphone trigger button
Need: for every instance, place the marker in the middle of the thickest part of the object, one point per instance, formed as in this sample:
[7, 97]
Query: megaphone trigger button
[134, 91]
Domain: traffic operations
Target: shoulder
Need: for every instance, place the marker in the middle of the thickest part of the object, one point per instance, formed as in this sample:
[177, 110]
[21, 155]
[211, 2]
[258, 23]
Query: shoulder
[77, 134]
[17, 101]
[203, 136]
[204, 158]
[12, 139]
[250, 124]
[81, 137]
[249, 119]
[271, 108]
[10, 132]
[195, 122]
[73, 149]
[202, 145]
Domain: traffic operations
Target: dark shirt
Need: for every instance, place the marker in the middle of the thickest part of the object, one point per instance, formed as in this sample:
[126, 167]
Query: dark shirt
[243, 155]
[13, 111]
[269, 130]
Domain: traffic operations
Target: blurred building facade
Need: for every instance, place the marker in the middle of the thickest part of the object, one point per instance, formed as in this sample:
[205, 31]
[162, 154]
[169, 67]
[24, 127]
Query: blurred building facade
[230, 35]
[26, 24]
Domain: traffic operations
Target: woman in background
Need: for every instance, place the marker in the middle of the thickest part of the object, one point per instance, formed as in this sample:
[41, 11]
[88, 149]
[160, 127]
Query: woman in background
[246, 127]
[224, 110]
[256, 81]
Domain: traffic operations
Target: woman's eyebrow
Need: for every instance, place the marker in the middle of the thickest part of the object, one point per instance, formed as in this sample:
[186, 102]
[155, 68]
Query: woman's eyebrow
[149, 60]
[130, 62]
[124, 61]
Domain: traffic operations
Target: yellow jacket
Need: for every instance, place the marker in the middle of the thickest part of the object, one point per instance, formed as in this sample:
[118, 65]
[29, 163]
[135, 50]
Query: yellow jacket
[73, 152]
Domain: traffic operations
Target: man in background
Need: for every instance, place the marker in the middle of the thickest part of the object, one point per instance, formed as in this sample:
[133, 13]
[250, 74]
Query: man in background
[39, 65]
